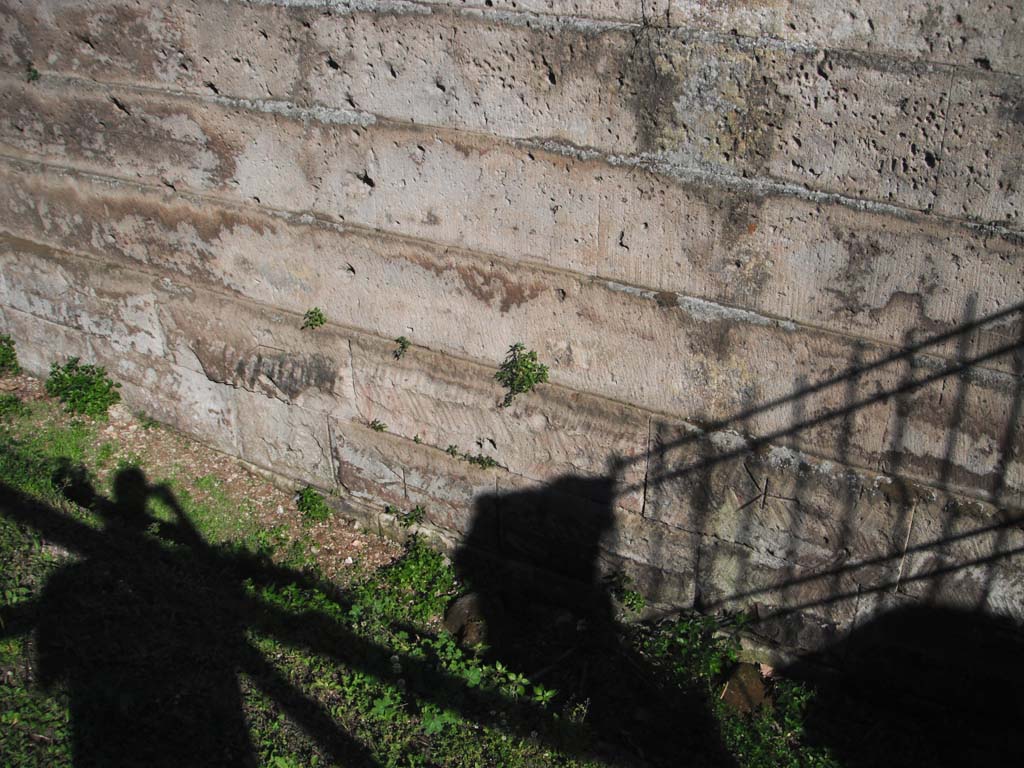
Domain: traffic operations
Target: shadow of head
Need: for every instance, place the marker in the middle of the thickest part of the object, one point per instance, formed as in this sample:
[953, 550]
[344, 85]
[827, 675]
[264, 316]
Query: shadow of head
[130, 492]
[920, 686]
[531, 559]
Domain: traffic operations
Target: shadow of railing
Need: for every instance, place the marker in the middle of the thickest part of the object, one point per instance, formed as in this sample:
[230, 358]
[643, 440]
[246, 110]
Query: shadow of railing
[541, 556]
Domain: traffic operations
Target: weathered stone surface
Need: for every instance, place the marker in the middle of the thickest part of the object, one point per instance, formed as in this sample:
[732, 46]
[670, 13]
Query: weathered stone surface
[747, 529]
[167, 392]
[955, 31]
[274, 364]
[977, 178]
[965, 555]
[694, 359]
[812, 548]
[883, 278]
[449, 403]
[379, 468]
[744, 690]
[961, 32]
[830, 121]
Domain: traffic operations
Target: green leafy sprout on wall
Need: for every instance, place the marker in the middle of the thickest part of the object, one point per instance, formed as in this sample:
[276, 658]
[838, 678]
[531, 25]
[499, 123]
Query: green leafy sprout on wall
[520, 372]
[313, 318]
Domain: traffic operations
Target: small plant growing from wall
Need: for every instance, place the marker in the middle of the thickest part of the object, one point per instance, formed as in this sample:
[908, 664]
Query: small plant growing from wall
[378, 426]
[31, 73]
[313, 318]
[520, 372]
[480, 460]
[403, 346]
[312, 505]
[619, 584]
[413, 517]
[8, 356]
[84, 389]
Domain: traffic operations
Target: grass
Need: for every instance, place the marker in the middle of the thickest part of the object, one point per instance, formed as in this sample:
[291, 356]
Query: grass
[11, 406]
[325, 676]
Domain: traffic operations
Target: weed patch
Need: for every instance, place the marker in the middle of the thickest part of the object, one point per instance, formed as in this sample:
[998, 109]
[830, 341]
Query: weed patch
[84, 389]
[8, 356]
[11, 406]
[620, 587]
[481, 460]
[414, 516]
[314, 318]
[312, 505]
[520, 372]
[403, 346]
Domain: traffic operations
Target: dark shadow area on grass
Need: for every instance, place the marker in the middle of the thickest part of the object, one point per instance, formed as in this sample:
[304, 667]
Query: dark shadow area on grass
[146, 631]
[149, 630]
[920, 686]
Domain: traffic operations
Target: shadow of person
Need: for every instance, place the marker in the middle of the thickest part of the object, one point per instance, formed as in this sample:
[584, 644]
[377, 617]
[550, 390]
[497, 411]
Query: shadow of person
[149, 630]
[143, 646]
[920, 686]
[531, 561]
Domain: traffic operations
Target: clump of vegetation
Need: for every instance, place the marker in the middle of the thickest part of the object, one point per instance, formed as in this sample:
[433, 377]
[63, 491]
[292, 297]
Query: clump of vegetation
[146, 421]
[11, 406]
[620, 586]
[698, 651]
[480, 460]
[413, 517]
[312, 505]
[84, 389]
[520, 372]
[403, 346]
[313, 318]
[31, 73]
[774, 735]
[8, 356]
[378, 426]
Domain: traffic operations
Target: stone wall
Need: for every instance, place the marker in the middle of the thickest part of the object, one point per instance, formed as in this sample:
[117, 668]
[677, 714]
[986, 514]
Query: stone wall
[772, 251]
